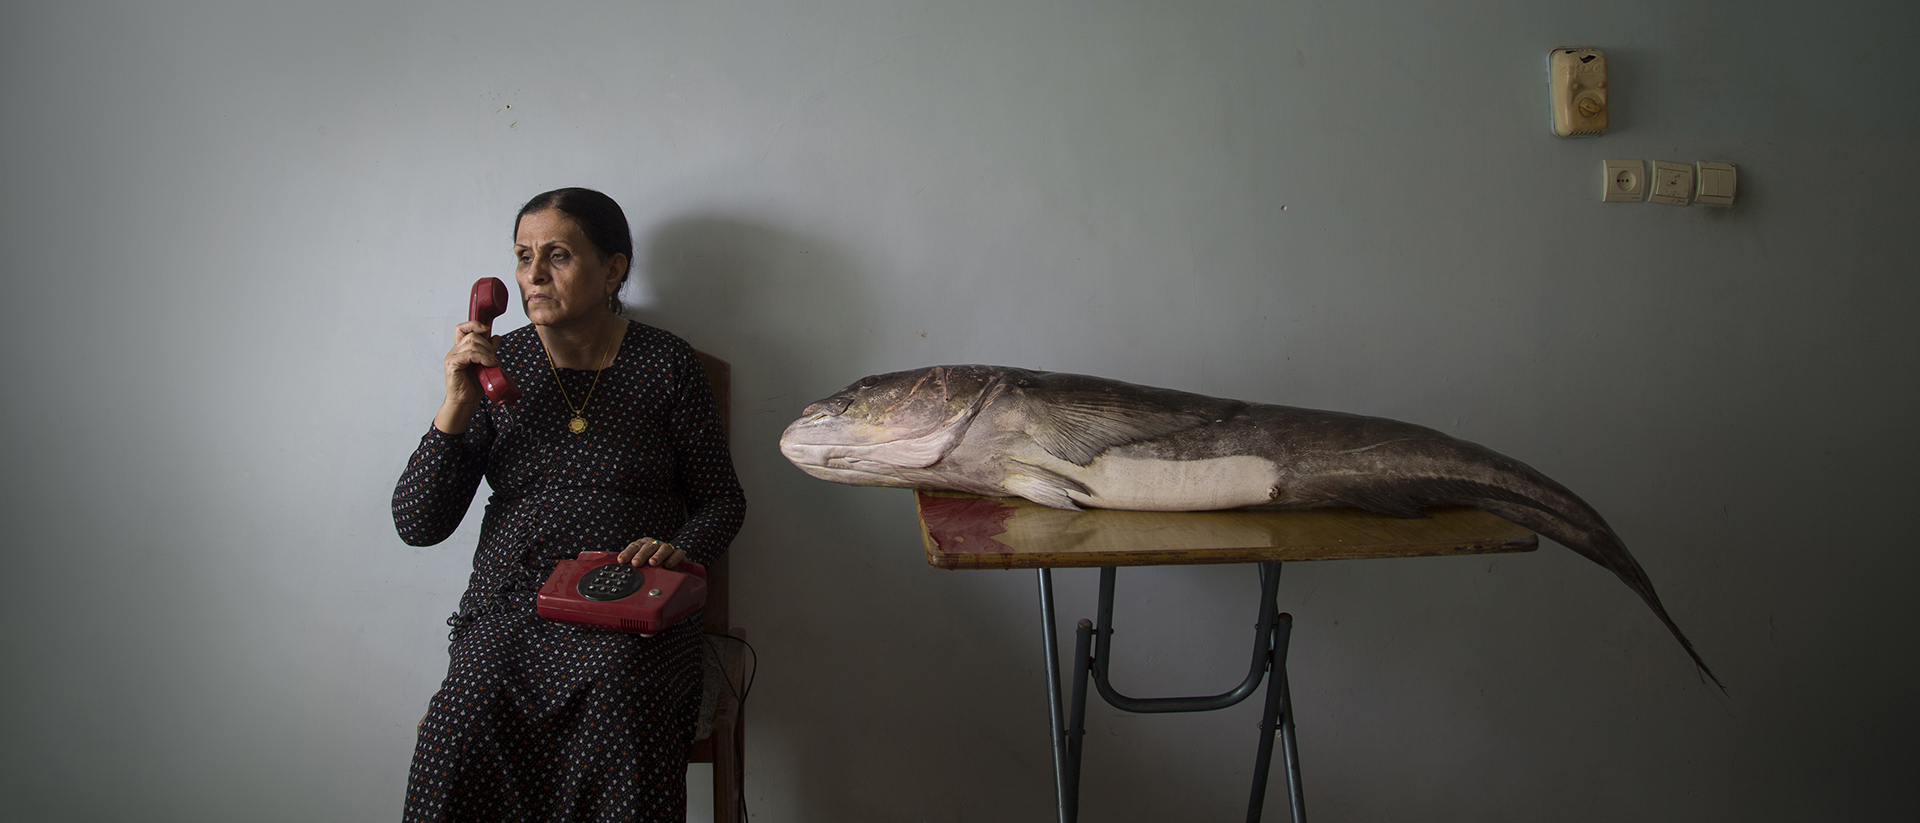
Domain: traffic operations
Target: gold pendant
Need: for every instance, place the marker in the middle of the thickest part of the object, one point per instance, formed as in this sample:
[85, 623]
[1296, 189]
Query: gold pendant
[577, 425]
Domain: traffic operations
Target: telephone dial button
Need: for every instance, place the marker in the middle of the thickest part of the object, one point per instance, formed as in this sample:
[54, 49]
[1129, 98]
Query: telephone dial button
[611, 582]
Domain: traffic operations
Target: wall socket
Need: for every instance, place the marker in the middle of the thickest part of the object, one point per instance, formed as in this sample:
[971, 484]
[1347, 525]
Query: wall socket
[1625, 182]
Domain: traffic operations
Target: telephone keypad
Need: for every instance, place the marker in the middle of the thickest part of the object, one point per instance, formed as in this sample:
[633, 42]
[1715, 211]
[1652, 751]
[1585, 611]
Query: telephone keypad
[611, 582]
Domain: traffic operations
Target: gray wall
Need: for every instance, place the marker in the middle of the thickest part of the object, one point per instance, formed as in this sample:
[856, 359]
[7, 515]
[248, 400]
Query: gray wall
[237, 236]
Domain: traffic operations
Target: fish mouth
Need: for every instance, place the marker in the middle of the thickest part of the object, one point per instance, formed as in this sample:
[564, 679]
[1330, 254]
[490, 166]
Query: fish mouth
[857, 473]
[810, 444]
[829, 441]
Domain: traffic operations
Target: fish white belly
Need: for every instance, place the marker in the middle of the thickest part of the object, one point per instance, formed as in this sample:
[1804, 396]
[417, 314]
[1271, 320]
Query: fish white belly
[1173, 485]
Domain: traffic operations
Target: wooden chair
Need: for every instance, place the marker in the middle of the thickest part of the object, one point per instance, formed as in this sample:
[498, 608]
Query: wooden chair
[725, 748]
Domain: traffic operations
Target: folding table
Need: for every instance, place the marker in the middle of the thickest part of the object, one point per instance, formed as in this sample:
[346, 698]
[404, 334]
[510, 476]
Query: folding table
[964, 531]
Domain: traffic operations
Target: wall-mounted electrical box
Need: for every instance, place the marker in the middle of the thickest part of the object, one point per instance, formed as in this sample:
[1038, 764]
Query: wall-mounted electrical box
[1577, 80]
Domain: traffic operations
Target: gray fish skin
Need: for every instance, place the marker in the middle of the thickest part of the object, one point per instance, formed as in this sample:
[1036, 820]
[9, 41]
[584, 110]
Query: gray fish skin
[1071, 441]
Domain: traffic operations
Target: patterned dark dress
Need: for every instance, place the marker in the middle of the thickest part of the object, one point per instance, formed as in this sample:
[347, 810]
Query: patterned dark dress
[544, 721]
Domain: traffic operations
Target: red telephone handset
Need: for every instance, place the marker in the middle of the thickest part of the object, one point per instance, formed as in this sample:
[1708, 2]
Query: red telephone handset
[490, 301]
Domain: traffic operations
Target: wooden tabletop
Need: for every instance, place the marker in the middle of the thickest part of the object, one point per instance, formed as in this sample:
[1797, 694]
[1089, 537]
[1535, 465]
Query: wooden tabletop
[964, 531]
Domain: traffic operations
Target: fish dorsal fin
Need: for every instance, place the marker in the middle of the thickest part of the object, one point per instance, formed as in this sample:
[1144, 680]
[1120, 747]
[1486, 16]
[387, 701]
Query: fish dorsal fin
[1048, 488]
[1079, 424]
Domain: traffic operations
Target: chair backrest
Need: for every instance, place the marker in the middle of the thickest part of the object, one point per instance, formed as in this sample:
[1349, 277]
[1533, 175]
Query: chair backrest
[720, 374]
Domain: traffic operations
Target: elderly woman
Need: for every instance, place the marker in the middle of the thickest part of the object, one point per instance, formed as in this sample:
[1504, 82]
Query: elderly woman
[616, 446]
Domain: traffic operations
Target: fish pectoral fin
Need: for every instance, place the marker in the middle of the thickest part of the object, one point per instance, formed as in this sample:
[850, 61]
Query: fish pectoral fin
[1078, 426]
[1043, 486]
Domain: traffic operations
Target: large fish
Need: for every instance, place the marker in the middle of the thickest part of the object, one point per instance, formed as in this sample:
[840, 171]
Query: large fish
[1071, 441]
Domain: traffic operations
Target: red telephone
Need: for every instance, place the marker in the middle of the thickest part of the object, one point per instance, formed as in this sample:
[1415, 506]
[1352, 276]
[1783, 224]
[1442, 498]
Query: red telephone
[490, 301]
[597, 589]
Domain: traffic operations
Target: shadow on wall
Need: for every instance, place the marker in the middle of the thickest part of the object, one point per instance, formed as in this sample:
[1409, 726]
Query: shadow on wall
[763, 299]
[753, 294]
[827, 578]
[716, 281]
[758, 297]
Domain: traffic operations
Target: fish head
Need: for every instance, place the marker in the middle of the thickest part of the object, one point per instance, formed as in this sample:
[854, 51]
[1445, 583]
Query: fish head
[884, 429]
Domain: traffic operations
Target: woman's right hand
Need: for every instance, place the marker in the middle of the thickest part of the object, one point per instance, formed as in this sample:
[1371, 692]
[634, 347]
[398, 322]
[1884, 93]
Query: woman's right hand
[473, 347]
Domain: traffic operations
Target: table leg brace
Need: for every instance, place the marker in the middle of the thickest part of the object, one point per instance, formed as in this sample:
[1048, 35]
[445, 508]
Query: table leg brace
[1269, 656]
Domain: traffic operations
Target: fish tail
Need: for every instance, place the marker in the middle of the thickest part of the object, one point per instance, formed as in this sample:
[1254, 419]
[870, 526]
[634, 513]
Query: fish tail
[1577, 526]
[1437, 470]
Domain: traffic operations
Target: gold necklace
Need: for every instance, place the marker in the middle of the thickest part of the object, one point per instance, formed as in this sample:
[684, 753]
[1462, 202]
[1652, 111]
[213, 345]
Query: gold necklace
[578, 425]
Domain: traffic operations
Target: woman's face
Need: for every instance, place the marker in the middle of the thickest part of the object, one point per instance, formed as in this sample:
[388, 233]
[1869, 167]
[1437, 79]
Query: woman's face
[563, 279]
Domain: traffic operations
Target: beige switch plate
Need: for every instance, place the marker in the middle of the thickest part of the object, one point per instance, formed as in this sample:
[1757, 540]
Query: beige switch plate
[1625, 181]
[1714, 183]
[1672, 183]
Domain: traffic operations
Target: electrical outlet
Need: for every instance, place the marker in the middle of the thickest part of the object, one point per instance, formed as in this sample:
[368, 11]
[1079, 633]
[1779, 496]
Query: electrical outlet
[1625, 181]
[1672, 183]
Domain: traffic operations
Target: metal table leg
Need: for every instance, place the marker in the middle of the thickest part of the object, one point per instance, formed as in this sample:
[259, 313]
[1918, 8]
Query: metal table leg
[1048, 632]
[1272, 634]
[1290, 749]
[1277, 721]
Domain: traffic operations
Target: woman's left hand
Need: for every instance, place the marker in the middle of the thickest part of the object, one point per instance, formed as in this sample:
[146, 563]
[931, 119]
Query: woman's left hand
[650, 552]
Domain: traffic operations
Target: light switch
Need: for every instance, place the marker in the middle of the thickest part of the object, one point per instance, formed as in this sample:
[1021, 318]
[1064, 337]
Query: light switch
[1716, 182]
[1625, 181]
[1672, 183]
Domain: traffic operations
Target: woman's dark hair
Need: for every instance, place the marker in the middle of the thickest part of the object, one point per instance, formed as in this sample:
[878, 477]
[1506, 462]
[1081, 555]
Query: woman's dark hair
[598, 217]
